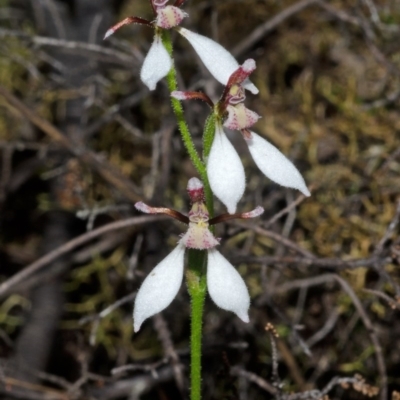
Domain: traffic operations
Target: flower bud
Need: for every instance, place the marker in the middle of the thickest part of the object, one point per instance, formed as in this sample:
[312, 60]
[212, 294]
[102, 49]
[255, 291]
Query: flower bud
[195, 190]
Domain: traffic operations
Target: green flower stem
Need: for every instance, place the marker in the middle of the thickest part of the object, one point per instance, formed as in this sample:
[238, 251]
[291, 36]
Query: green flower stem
[197, 286]
[197, 263]
[183, 128]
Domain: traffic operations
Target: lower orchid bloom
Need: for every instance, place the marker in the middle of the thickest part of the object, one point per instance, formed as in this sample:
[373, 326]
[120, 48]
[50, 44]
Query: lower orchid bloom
[224, 168]
[225, 286]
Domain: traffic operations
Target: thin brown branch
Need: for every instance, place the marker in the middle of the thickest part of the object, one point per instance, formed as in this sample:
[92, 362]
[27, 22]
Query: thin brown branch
[300, 284]
[263, 29]
[361, 312]
[71, 45]
[275, 236]
[392, 157]
[393, 303]
[102, 314]
[252, 377]
[27, 390]
[339, 14]
[112, 113]
[101, 166]
[284, 211]
[164, 334]
[294, 369]
[371, 332]
[336, 264]
[389, 231]
[56, 18]
[330, 323]
[6, 286]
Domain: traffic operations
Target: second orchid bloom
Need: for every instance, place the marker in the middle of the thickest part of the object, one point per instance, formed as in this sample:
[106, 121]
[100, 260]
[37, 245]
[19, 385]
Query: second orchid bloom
[224, 168]
[224, 284]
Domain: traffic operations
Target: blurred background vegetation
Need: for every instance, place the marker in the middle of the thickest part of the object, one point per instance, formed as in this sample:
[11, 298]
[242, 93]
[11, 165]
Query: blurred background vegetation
[324, 271]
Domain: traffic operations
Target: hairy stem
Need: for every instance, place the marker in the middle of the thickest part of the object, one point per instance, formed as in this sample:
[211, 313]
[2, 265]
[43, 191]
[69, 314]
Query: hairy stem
[196, 281]
[184, 129]
[197, 264]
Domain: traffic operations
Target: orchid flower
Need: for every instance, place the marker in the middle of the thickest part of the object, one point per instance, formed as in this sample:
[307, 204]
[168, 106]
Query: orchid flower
[158, 62]
[224, 168]
[225, 286]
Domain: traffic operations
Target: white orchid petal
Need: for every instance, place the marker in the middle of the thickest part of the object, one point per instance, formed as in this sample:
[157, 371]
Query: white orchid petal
[275, 165]
[216, 58]
[225, 171]
[226, 286]
[156, 64]
[160, 287]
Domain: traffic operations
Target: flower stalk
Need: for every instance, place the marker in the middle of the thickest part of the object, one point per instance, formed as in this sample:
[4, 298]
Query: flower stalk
[197, 259]
[197, 287]
[221, 172]
[184, 129]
